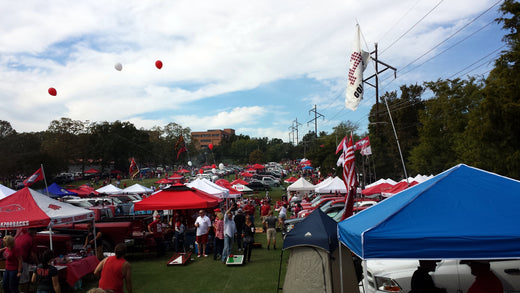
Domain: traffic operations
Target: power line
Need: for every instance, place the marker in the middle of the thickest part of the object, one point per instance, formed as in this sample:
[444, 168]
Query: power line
[413, 26]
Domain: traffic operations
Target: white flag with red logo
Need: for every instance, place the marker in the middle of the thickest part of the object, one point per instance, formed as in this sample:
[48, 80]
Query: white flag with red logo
[37, 176]
[358, 62]
[133, 170]
[364, 146]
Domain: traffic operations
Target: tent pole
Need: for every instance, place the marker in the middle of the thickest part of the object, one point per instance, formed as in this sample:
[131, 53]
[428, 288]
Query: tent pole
[279, 272]
[365, 274]
[50, 236]
[94, 235]
[340, 267]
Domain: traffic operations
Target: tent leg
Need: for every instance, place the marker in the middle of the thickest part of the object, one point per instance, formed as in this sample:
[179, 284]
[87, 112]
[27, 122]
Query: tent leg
[365, 273]
[94, 235]
[279, 272]
[50, 237]
[340, 267]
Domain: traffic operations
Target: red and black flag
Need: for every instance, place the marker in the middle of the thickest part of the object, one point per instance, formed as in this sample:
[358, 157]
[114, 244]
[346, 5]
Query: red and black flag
[180, 146]
[133, 170]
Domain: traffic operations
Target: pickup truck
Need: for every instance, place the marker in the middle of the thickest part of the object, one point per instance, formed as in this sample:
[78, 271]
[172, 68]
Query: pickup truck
[119, 229]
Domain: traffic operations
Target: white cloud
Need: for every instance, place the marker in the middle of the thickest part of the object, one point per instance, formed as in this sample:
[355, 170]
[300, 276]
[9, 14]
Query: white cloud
[209, 48]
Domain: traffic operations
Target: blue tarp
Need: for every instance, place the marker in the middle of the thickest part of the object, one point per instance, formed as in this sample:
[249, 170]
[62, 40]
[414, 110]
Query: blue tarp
[317, 229]
[57, 191]
[462, 213]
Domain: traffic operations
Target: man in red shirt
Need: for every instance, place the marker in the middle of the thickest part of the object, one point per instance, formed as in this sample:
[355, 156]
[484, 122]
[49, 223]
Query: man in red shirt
[114, 270]
[249, 209]
[155, 228]
[485, 280]
[264, 209]
[24, 246]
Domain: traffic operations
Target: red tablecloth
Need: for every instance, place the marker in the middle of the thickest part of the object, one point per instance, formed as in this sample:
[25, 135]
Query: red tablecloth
[79, 268]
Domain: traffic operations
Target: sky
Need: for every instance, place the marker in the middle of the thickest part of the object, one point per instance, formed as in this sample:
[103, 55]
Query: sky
[259, 67]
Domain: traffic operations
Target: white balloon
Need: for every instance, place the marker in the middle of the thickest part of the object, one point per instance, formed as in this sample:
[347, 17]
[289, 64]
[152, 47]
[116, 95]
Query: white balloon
[221, 166]
[213, 170]
[118, 66]
[189, 163]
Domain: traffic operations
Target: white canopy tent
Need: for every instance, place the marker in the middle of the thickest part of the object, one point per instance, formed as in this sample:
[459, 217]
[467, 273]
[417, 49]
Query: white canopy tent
[241, 188]
[109, 189]
[214, 189]
[301, 187]
[334, 185]
[137, 188]
[324, 182]
[5, 191]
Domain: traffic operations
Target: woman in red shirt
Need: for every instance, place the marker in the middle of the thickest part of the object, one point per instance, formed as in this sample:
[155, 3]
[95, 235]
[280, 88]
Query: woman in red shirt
[13, 265]
[115, 269]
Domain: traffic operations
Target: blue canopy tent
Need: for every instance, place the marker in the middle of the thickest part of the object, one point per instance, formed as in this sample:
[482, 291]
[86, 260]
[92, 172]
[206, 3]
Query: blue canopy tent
[54, 190]
[314, 263]
[462, 213]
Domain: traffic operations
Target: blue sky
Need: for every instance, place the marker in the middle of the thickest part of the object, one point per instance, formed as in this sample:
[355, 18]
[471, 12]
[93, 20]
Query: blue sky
[254, 66]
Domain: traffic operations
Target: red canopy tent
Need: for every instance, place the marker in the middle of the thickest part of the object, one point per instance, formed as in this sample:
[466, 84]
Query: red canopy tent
[246, 174]
[183, 171]
[291, 180]
[258, 166]
[163, 181]
[224, 183]
[400, 186]
[83, 190]
[91, 171]
[177, 197]
[239, 181]
[383, 187]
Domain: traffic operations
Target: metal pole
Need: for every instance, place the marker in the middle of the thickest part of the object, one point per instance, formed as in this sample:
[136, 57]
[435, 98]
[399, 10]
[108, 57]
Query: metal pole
[397, 140]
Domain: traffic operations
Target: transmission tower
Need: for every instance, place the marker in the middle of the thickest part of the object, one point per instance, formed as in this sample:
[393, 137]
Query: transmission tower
[315, 119]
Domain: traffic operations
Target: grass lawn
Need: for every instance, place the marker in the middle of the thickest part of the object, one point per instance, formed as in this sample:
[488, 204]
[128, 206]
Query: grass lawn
[150, 273]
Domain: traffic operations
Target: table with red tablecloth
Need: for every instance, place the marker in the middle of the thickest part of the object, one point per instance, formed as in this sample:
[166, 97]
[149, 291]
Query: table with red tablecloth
[80, 268]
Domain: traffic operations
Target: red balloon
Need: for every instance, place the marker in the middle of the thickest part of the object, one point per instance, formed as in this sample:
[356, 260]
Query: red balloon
[210, 146]
[52, 91]
[158, 64]
[201, 171]
[213, 166]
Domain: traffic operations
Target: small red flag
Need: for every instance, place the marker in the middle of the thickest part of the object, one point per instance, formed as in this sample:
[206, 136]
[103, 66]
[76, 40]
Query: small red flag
[37, 176]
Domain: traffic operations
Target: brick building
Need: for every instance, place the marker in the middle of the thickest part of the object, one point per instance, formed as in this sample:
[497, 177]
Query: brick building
[213, 136]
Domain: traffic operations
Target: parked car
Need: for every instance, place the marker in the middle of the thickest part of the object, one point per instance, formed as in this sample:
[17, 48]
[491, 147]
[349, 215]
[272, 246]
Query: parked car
[258, 185]
[363, 205]
[392, 275]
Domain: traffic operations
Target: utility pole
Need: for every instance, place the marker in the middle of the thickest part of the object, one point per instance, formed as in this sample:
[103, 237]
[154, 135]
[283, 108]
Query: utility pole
[315, 119]
[294, 128]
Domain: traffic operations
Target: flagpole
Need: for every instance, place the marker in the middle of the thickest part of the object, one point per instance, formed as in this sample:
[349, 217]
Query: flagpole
[397, 140]
[45, 180]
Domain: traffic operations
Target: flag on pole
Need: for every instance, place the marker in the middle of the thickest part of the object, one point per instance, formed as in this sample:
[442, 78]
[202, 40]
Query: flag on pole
[349, 177]
[358, 62]
[364, 146]
[133, 170]
[37, 176]
[340, 145]
[180, 146]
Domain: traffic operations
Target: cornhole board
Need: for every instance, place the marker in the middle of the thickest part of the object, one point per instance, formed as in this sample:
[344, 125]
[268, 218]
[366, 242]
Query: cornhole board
[179, 259]
[235, 260]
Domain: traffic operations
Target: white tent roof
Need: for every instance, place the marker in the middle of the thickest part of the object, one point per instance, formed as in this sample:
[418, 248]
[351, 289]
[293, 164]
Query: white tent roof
[5, 191]
[109, 189]
[324, 182]
[334, 185]
[212, 189]
[301, 185]
[137, 188]
[242, 188]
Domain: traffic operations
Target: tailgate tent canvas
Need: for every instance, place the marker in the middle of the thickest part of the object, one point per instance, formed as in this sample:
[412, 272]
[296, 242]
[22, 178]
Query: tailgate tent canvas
[462, 213]
[109, 189]
[5, 191]
[177, 197]
[28, 208]
[57, 191]
[314, 260]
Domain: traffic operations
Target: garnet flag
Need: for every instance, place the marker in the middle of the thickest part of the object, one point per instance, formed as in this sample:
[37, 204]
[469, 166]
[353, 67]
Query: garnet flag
[37, 176]
[358, 62]
[180, 146]
[133, 170]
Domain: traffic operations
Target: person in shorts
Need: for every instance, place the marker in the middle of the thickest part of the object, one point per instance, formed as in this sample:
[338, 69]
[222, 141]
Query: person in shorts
[203, 223]
[270, 223]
